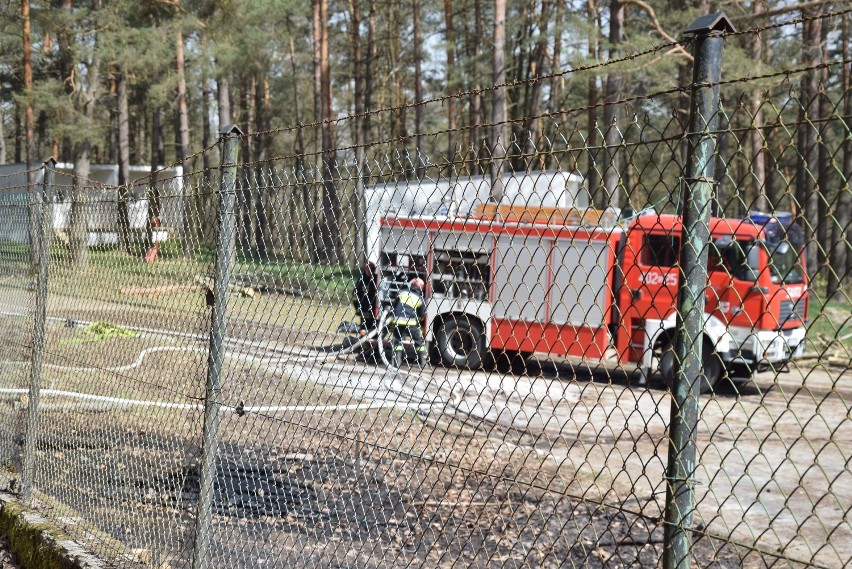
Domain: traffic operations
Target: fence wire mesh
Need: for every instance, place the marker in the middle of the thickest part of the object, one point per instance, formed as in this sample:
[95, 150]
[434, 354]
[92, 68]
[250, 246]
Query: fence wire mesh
[515, 410]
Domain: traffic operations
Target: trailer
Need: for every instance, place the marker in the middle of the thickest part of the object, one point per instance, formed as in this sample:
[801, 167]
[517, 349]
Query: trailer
[583, 284]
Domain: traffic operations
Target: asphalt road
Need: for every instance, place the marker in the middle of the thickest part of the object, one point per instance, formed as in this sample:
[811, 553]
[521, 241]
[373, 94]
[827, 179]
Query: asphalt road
[773, 454]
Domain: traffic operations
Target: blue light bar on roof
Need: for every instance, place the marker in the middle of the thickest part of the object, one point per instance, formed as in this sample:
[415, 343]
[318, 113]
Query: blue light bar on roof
[762, 218]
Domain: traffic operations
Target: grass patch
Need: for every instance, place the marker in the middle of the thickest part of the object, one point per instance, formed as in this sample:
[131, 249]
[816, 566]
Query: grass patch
[104, 331]
[830, 322]
[98, 332]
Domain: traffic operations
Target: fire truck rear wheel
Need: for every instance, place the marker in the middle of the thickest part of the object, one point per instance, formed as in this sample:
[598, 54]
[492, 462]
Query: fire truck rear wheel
[461, 342]
[510, 361]
[712, 367]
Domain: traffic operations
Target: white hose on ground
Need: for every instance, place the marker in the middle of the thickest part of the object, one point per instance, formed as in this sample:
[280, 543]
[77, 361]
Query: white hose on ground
[127, 367]
[103, 402]
[346, 350]
[410, 399]
[382, 320]
[201, 338]
[137, 362]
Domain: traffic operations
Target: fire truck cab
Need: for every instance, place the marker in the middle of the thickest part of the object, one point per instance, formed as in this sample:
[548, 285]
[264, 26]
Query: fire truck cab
[586, 285]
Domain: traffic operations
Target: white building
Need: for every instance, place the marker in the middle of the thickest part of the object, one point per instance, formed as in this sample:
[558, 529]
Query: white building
[102, 195]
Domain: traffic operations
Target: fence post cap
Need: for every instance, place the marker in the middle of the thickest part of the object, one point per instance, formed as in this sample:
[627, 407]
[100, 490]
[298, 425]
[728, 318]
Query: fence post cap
[230, 129]
[716, 22]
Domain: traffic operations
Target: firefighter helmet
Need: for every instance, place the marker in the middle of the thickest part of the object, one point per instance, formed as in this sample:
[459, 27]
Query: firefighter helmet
[417, 282]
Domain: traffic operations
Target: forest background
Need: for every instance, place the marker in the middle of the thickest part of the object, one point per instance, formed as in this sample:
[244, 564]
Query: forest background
[407, 89]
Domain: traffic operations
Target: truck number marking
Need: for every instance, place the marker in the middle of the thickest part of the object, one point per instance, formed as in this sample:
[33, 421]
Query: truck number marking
[656, 278]
[795, 292]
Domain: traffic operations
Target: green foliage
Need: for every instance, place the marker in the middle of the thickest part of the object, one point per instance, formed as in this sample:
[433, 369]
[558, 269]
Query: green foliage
[249, 44]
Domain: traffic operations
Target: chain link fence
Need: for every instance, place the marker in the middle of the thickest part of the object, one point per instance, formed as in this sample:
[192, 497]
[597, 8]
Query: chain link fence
[635, 336]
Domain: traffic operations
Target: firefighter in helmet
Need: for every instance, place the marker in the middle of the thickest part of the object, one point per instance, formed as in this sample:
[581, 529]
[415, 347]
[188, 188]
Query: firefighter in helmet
[409, 310]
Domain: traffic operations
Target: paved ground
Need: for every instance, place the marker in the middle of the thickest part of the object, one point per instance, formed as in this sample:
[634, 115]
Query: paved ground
[774, 454]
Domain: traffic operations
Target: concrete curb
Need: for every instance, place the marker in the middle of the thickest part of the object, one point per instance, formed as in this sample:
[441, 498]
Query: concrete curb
[38, 544]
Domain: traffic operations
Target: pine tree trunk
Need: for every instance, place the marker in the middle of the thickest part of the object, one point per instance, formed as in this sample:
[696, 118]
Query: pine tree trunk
[806, 192]
[517, 97]
[498, 142]
[313, 193]
[332, 246]
[295, 238]
[86, 101]
[124, 229]
[153, 223]
[263, 231]
[554, 102]
[65, 68]
[476, 114]
[758, 156]
[723, 205]
[398, 127]
[245, 201]
[592, 174]
[841, 246]
[824, 173]
[112, 135]
[533, 101]
[206, 197]
[317, 54]
[368, 70]
[189, 236]
[29, 134]
[419, 158]
[452, 103]
[358, 231]
[255, 204]
[612, 91]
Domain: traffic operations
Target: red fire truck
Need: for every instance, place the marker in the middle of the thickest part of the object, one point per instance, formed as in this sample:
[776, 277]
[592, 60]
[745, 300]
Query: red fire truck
[513, 281]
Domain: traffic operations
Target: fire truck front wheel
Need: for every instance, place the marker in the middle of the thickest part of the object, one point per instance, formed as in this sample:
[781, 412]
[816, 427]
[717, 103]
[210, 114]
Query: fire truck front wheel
[711, 364]
[461, 342]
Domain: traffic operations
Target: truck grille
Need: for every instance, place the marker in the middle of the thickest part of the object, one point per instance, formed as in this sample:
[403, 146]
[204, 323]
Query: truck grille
[791, 311]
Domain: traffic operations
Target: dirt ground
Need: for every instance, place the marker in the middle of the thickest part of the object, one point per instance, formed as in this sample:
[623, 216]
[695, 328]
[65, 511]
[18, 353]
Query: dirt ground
[333, 462]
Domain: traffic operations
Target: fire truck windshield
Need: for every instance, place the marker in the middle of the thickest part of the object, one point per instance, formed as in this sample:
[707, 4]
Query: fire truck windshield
[739, 258]
[784, 245]
[785, 262]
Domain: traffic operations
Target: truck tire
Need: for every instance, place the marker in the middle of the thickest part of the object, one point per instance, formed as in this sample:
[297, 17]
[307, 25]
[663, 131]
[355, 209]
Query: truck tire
[510, 362]
[711, 368]
[461, 342]
[740, 372]
[434, 353]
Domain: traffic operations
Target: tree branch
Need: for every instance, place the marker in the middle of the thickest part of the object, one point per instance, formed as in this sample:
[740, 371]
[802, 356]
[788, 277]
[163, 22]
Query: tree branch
[650, 11]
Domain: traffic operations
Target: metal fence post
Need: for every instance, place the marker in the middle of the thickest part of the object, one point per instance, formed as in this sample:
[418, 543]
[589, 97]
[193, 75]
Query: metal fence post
[42, 259]
[698, 189]
[229, 137]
